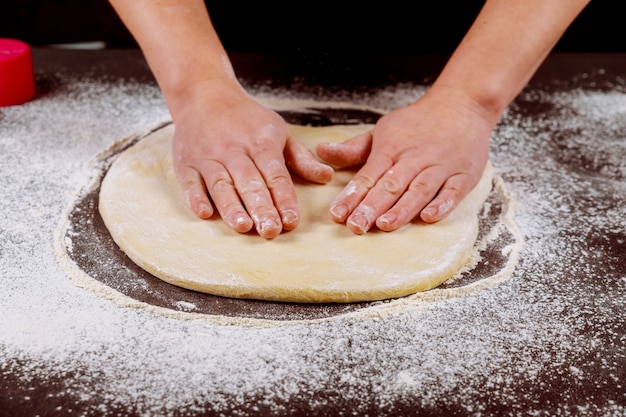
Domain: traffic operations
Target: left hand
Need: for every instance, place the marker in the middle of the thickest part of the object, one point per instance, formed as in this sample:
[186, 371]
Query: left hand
[419, 160]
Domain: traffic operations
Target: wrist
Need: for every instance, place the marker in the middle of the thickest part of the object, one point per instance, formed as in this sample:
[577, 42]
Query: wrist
[488, 107]
[206, 93]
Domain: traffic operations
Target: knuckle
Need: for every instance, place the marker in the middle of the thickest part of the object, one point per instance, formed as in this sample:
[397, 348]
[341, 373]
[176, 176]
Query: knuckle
[451, 190]
[252, 186]
[231, 208]
[365, 181]
[422, 188]
[188, 184]
[275, 178]
[265, 143]
[220, 183]
[391, 185]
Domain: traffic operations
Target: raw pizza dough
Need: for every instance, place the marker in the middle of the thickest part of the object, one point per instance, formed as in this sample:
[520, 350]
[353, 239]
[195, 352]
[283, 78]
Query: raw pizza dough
[320, 261]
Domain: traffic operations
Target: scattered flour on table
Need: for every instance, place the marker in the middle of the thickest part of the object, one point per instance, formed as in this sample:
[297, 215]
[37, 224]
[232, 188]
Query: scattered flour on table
[501, 347]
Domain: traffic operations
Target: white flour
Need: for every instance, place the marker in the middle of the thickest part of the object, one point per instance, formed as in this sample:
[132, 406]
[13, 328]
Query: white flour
[526, 345]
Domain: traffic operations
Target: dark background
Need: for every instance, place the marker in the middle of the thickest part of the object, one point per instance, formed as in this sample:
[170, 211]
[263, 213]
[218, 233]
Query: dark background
[312, 27]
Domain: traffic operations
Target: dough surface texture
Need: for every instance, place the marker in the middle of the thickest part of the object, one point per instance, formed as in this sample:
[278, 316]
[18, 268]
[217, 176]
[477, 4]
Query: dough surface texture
[320, 261]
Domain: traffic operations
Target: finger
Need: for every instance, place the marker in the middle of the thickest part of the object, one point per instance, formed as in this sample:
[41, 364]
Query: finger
[283, 194]
[225, 197]
[354, 151]
[304, 164]
[354, 192]
[421, 191]
[256, 197]
[195, 191]
[450, 195]
[380, 198]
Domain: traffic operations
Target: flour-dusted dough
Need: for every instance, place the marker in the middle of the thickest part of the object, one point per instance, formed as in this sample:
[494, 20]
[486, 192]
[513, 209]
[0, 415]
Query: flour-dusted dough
[320, 261]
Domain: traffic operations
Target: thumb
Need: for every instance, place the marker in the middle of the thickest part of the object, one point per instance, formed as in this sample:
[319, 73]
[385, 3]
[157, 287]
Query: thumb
[353, 151]
[303, 163]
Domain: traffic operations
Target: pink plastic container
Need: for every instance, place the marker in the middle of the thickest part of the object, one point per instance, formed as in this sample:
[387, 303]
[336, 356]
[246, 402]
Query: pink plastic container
[17, 81]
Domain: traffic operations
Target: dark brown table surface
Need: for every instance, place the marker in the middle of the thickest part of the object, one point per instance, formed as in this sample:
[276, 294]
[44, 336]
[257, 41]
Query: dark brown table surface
[556, 329]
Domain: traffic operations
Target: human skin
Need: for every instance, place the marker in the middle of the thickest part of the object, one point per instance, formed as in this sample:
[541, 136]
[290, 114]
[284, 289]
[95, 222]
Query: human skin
[233, 155]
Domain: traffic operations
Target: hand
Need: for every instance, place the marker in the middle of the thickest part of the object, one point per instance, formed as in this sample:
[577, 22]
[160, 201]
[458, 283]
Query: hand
[232, 154]
[420, 160]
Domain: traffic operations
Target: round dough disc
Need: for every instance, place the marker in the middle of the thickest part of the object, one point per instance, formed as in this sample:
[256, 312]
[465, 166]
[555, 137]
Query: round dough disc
[320, 261]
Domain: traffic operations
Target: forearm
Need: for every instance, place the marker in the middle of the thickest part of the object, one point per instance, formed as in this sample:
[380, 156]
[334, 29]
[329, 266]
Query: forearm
[179, 43]
[504, 47]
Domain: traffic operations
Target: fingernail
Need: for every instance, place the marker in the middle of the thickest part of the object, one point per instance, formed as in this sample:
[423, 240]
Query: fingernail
[360, 222]
[289, 217]
[241, 220]
[430, 212]
[241, 224]
[269, 228]
[439, 211]
[339, 211]
[387, 219]
[204, 211]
